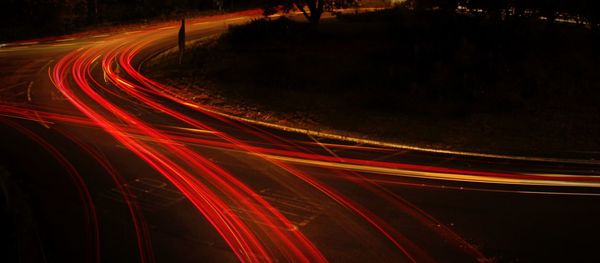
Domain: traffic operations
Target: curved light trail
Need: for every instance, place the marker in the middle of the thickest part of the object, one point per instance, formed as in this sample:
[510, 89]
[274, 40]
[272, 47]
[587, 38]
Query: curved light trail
[104, 90]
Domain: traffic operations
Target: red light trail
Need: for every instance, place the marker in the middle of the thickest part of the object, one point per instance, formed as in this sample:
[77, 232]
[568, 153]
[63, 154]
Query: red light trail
[104, 98]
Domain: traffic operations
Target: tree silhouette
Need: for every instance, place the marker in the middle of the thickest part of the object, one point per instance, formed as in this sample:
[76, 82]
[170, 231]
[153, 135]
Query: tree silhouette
[311, 9]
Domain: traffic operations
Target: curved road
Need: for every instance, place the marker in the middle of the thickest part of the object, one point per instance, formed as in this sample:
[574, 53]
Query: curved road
[101, 163]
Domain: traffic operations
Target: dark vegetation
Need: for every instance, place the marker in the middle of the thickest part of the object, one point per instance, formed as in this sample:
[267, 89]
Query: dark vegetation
[551, 10]
[310, 9]
[21, 19]
[580, 10]
[470, 82]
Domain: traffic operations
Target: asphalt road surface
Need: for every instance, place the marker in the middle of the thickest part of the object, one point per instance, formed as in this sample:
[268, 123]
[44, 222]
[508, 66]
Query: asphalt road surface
[100, 163]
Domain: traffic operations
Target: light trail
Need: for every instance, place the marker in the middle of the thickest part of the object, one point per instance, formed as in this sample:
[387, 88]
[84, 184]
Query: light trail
[141, 228]
[243, 242]
[101, 83]
[346, 163]
[91, 218]
[395, 237]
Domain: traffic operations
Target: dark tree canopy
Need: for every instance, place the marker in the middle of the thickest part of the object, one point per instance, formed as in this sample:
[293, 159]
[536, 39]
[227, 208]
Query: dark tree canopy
[311, 9]
[582, 10]
[34, 18]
